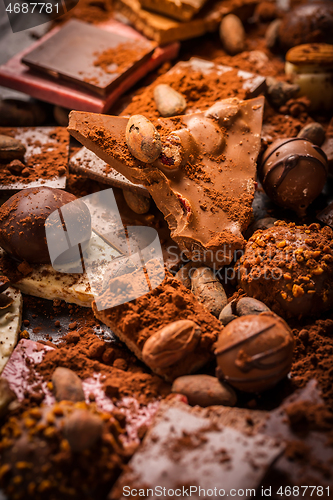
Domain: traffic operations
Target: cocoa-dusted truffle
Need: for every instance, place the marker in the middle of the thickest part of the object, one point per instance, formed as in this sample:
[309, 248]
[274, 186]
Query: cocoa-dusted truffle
[65, 451]
[307, 23]
[293, 173]
[289, 268]
[22, 221]
[255, 352]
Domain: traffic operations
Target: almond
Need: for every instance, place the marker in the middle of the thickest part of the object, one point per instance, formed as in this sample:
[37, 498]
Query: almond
[142, 139]
[232, 34]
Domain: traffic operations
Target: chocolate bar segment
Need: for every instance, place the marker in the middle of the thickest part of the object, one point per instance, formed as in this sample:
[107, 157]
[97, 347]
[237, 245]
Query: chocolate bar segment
[186, 452]
[182, 10]
[207, 199]
[136, 321]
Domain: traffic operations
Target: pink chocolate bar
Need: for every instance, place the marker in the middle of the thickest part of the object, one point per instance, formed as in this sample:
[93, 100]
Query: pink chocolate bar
[16, 75]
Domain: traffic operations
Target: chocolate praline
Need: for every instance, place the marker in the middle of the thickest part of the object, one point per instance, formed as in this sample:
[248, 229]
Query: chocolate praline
[254, 352]
[289, 268]
[22, 222]
[293, 173]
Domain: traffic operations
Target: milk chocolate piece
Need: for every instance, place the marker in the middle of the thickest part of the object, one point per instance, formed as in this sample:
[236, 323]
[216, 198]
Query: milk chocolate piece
[185, 449]
[91, 56]
[207, 200]
[182, 10]
[163, 29]
[136, 321]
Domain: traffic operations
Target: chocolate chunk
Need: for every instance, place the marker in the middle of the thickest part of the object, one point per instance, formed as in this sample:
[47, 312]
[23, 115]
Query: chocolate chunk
[185, 448]
[182, 10]
[208, 203]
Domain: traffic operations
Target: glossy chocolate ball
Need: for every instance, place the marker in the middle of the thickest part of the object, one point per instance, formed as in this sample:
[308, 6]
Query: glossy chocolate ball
[309, 23]
[293, 173]
[22, 222]
[255, 352]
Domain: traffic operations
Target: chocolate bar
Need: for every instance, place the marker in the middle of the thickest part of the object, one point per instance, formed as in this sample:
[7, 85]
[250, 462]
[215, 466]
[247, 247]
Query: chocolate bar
[163, 29]
[185, 452]
[136, 321]
[182, 10]
[96, 59]
[207, 200]
[45, 162]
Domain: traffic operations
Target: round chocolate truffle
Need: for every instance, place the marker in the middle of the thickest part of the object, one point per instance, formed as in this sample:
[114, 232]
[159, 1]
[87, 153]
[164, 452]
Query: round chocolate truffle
[293, 173]
[307, 23]
[289, 268]
[255, 352]
[22, 222]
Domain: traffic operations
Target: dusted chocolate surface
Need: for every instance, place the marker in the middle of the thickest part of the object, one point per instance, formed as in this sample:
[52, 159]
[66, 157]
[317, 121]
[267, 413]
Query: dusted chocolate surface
[207, 200]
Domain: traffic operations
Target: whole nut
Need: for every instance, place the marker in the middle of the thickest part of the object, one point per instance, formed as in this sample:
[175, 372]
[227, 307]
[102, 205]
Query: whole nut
[208, 290]
[10, 149]
[170, 344]
[168, 101]
[142, 139]
[82, 430]
[227, 314]
[204, 390]
[137, 202]
[314, 132]
[272, 34]
[232, 34]
[248, 305]
[67, 385]
[255, 352]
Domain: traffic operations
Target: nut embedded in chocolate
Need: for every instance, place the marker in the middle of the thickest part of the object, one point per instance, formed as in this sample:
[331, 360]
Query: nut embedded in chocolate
[22, 222]
[293, 173]
[255, 352]
[142, 139]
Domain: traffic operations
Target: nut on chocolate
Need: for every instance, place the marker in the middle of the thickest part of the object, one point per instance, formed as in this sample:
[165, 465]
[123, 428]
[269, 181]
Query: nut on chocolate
[142, 139]
[293, 173]
[255, 352]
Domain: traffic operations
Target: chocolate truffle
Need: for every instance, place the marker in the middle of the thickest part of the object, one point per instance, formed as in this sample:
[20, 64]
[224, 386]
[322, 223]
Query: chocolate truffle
[43, 455]
[22, 222]
[255, 352]
[293, 173]
[289, 268]
[307, 23]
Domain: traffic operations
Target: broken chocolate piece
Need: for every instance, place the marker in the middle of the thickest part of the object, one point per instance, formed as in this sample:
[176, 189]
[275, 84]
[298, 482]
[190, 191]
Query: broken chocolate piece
[207, 201]
[185, 449]
[182, 10]
[137, 321]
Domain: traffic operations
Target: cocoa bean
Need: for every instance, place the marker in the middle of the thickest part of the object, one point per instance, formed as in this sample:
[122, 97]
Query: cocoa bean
[168, 101]
[142, 139]
[227, 314]
[208, 290]
[10, 149]
[314, 132]
[272, 34]
[232, 34]
[170, 344]
[82, 430]
[137, 202]
[248, 305]
[204, 390]
[67, 385]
